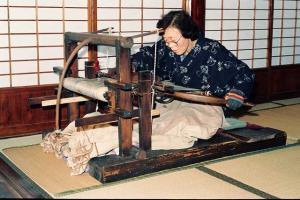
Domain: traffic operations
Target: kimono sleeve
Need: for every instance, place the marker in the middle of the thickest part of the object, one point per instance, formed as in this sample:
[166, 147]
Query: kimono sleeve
[144, 59]
[243, 80]
[228, 73]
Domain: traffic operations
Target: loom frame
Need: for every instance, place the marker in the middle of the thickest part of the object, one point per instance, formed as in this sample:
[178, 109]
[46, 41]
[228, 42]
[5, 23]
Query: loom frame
[135, 161]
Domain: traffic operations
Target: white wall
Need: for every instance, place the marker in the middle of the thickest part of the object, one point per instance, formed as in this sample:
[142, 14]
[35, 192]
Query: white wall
[31, 33]
[242, 26]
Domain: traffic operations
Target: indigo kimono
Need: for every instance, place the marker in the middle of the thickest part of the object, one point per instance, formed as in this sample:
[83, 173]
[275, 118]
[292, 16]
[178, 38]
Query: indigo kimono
[209, 66]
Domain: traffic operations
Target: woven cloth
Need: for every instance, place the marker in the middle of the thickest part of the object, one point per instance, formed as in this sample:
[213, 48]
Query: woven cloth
[93, 88]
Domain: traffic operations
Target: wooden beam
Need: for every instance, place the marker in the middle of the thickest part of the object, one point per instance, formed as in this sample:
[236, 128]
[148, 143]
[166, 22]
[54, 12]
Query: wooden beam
[108, 118]
[65, 100]
[99, 39]
[38, 100]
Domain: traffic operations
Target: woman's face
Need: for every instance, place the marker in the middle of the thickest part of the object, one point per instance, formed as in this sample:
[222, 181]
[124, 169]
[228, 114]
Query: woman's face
[175, 41]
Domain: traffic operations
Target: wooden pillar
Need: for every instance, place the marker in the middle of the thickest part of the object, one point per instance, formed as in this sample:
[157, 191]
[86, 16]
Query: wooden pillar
[269, 52]
[92, 27]
[90, 106]
[124, 99]
[145, 121]
[90, 72]
[198, 13]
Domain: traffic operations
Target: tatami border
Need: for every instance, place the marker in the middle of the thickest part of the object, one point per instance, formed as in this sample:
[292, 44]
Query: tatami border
[236, 183]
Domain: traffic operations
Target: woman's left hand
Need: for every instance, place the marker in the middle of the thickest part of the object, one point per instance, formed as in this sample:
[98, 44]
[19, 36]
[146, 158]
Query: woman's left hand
[234, 100]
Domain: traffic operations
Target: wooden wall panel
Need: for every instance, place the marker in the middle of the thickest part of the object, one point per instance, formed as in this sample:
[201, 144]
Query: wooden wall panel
[284, 83]
[260, 90]
[17, 117]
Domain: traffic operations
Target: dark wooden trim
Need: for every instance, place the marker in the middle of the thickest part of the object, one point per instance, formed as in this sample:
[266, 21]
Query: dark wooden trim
[284, 83]
[198, 13]
[270, 45]
[92, 27]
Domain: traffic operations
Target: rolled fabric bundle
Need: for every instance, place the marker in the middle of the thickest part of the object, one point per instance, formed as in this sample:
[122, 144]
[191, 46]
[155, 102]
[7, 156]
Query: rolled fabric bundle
[93, 88]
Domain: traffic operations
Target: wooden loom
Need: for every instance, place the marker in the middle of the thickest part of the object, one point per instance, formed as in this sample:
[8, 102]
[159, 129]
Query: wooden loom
[134, 161]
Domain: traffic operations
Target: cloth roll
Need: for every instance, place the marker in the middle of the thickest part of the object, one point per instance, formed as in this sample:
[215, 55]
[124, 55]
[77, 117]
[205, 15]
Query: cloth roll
[93, 88]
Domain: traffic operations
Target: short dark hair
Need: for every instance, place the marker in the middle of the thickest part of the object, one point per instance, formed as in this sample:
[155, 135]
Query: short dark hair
[181, 20]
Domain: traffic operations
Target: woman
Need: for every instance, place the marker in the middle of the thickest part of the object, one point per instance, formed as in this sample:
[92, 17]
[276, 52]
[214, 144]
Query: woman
[185, 58]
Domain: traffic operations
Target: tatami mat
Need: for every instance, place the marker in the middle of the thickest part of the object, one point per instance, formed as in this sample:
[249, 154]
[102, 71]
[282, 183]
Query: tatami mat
[288, 101]
[275, 104]
[47, 171]
[275, 172]
[53, 176]
[20, 141]
[264, 106]
[183, 184]
[286, 118]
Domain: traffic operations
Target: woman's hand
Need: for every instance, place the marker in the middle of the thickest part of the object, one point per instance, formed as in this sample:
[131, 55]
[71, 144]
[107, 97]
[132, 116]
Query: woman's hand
[234, 99]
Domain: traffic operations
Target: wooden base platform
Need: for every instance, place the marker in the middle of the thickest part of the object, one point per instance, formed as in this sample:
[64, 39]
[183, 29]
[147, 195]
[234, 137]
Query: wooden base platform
[112, 167]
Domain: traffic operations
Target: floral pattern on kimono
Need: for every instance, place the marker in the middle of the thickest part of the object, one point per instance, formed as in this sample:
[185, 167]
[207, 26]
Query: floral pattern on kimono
[209, 66]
